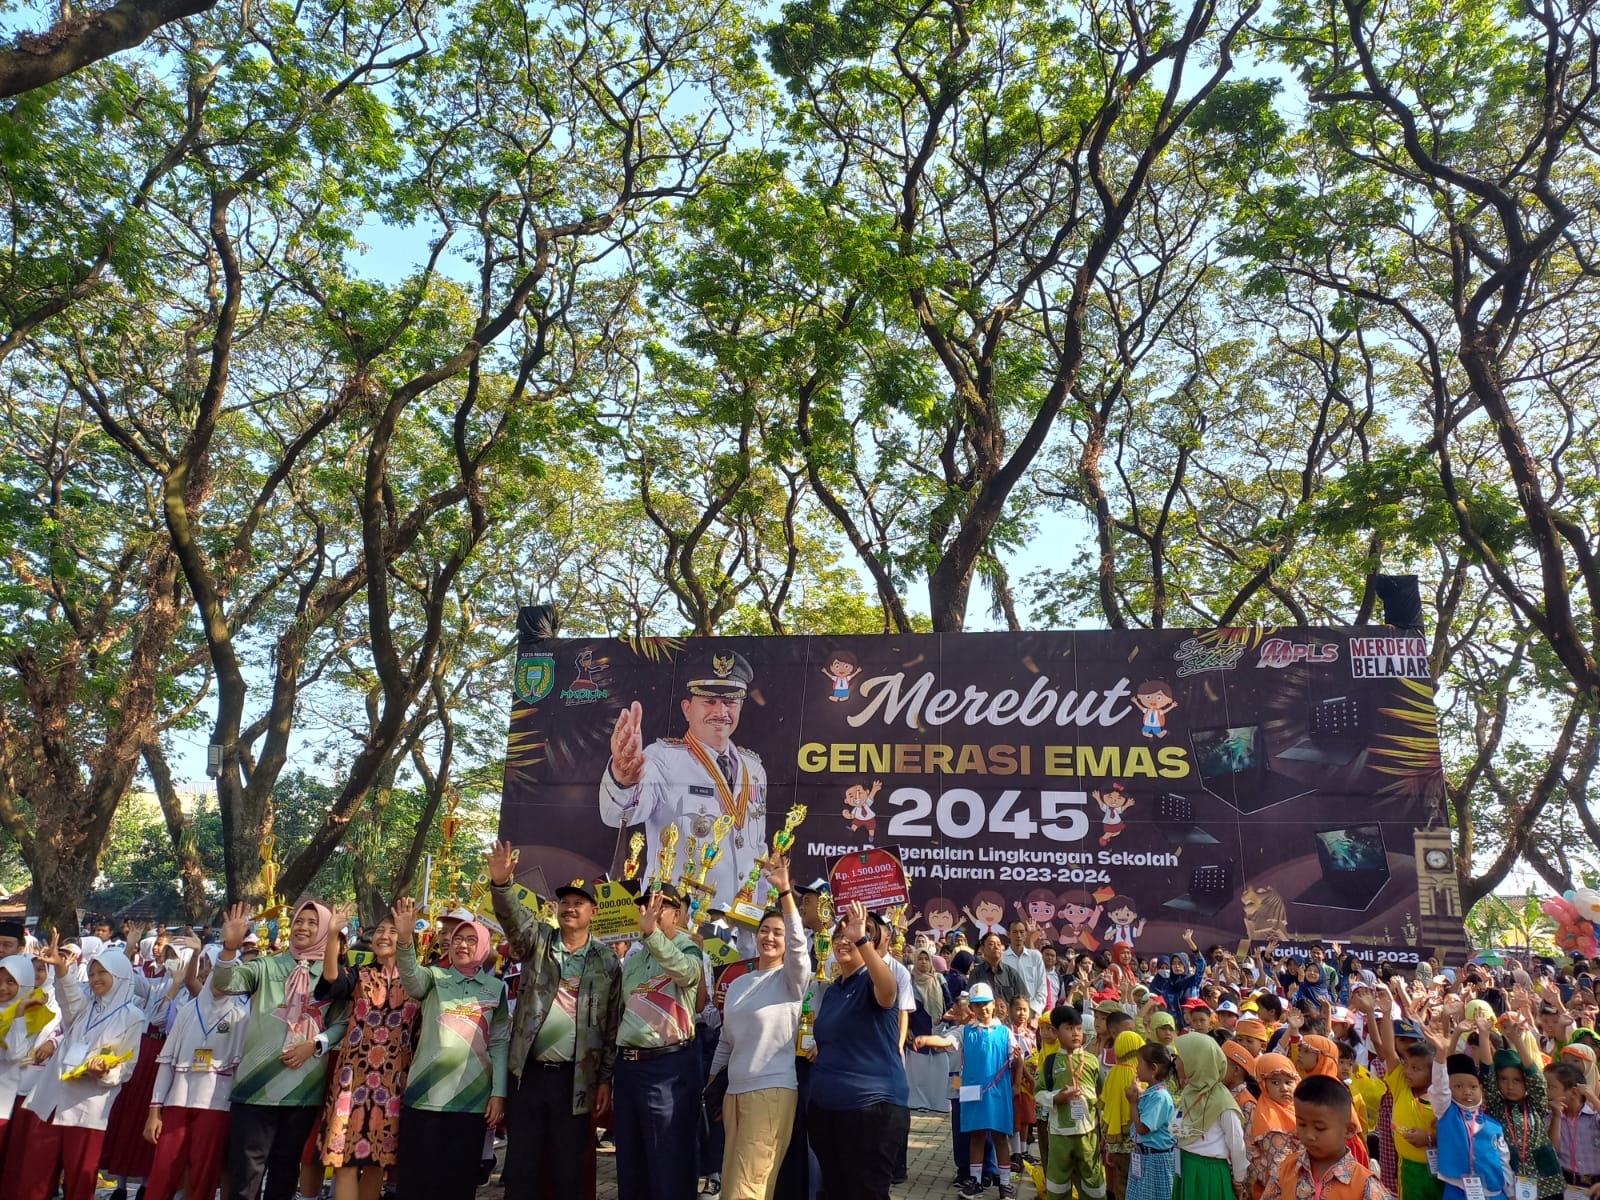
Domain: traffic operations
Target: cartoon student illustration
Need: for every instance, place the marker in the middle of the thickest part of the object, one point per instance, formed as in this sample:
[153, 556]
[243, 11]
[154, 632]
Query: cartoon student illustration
[1039, 906]
[1123, 922]
[1113, 802]
[1155, 700]
[988, 913]
[1078, 911]
[858, 808]
[841, 669]
[942, 916]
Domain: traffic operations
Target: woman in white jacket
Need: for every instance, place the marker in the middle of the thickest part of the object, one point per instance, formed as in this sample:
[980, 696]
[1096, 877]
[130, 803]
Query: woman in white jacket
[63, 1123]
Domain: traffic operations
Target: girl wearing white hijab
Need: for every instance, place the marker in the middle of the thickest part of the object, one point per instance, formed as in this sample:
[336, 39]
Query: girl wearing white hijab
[188, 1121]
[63, 1122]
[127, 1153]
[22, 1027]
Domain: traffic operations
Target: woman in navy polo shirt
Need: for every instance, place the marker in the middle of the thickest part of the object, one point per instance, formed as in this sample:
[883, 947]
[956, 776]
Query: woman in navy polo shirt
[858, 1115]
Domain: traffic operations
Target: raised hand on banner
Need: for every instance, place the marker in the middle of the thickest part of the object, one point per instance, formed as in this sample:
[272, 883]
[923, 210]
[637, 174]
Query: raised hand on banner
[502, 861]
[627, 746]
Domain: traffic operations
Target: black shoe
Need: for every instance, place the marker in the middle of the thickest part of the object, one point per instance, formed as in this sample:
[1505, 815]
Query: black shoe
[969, 1188]
[1008, 1191]
[118, 1193]
[990, 1181]
[139, 1195]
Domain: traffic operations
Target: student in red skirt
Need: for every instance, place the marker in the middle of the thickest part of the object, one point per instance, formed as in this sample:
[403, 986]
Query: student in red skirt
[62, 1126]
[21, 1028]
[127, 1155]
[188, 1121]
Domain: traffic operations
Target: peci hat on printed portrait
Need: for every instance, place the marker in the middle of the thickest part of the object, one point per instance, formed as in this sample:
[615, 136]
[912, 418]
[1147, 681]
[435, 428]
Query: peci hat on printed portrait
[723, 673]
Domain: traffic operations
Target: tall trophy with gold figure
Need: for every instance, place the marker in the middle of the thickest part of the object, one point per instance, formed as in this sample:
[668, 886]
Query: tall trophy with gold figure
[698, 867]
[667, 856]
[744, 910]
[822, 950]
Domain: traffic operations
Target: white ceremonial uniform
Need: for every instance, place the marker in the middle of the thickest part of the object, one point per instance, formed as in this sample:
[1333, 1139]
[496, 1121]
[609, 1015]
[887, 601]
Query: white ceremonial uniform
[676, 788]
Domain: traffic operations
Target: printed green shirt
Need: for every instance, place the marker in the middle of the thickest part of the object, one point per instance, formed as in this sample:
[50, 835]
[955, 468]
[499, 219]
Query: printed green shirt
[460, 1059]
[262, 1078]
[659, 983]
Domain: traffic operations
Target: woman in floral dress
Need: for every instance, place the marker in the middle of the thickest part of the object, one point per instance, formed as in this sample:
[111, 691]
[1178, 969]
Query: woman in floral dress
[361, 1122]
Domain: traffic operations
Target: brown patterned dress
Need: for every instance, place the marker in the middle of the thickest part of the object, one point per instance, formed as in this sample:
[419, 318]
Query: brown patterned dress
[361, 1120]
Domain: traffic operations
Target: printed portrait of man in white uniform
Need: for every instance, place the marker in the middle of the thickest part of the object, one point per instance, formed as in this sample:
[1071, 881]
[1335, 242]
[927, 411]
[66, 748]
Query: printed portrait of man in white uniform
[691, 781]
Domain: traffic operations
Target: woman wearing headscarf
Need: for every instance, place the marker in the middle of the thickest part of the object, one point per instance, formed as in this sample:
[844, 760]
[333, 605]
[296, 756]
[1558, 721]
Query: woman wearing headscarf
[1212, 1160]
[25, 1023]
[1271, 1134]
[63, 1122]
[127, 1153]
[188, 1119]
[283, 1071]
[1117, 1118]
[457, 1082]
[361, 1119]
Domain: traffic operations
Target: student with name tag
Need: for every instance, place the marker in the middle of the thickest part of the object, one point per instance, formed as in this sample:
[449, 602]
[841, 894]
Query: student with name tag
[63, 1124]
[189, 1110]
[1474, 1160]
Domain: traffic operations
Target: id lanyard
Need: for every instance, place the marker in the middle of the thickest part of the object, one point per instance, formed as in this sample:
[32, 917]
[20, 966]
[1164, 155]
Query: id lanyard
[1471, 1124]
[1527, 1136]
[1569, 1137]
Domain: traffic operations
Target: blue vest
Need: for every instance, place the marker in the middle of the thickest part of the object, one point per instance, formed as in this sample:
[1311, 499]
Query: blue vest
[1485, 1161]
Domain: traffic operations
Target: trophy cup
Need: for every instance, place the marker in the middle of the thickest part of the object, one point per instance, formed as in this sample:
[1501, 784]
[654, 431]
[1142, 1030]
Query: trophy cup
[822, 947]
[630, 866]
[744, 910]
[694, 875]
[667, 856]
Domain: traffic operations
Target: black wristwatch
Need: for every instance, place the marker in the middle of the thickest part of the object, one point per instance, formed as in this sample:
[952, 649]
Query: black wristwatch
[862, 940]
[785, 892]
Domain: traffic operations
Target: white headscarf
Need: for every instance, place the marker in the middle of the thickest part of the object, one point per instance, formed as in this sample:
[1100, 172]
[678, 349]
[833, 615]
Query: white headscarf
[20, 968]
[109, 1016]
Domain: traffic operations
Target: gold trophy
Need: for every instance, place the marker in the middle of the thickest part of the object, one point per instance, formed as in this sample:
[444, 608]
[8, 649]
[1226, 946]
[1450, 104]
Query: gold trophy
[822, 948]
[667, 856]
[630, 866]
[744, 910]
[694, 879]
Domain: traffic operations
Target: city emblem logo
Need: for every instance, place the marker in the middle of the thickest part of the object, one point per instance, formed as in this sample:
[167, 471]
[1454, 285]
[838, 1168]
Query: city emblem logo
[534, 676]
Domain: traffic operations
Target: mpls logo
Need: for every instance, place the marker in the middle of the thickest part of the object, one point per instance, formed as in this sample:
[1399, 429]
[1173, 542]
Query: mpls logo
[1279, 653]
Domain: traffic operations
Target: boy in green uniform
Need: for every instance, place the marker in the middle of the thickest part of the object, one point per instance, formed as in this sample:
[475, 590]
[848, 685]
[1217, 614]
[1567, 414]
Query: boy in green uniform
[1068, 1091]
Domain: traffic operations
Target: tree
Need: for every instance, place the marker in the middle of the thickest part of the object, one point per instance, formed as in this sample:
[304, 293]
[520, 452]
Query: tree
[987, 162]
[80, 38]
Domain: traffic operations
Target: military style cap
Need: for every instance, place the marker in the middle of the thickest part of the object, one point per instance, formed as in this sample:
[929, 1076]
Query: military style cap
[668, 892]
[578, 888]
[723, 673]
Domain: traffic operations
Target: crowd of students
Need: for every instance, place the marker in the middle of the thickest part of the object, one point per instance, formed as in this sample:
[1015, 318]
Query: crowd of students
[184, 1063]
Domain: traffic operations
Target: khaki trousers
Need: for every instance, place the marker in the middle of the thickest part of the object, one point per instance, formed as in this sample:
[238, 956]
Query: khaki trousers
[756, 1127]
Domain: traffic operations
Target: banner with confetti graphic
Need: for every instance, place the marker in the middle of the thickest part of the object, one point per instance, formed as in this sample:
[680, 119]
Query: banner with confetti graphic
[1269, 784]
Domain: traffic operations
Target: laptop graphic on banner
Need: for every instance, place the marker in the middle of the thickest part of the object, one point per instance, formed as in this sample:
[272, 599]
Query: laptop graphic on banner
[1233, 766]
[1355, 867]
[1176, 816]
[1210, 889]
[1337, 732]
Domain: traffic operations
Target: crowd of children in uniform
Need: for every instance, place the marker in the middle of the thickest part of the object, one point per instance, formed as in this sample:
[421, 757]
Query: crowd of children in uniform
[1462, 1090]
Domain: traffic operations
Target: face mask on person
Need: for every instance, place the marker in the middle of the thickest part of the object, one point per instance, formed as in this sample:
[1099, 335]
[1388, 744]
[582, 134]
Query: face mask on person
[1164, 972]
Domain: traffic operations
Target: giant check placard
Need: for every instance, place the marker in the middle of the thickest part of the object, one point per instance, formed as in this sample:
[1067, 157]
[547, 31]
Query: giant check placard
[1270, 783]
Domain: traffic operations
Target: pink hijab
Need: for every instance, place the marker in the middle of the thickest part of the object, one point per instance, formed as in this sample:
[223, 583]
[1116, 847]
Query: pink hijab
[485, 947]
[304, 1018]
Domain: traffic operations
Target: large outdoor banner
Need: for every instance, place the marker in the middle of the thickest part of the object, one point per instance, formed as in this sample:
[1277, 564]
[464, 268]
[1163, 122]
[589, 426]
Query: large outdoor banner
[1263, 783]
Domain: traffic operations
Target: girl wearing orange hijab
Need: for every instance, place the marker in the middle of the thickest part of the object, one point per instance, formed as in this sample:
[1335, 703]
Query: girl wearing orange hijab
[1317, 1055]
[1271, 1134]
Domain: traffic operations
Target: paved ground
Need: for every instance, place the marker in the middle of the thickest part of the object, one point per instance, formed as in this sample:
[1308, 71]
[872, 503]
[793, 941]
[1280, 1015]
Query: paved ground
[928, 1162]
